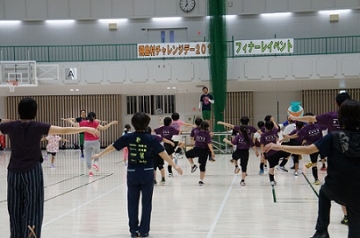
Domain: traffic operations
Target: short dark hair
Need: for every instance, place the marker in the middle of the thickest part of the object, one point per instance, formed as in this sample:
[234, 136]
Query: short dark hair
[140, 121]
[205, 88]
[167, 121]
[309, 114]
[198, 121]
[269, 125]
[27, 108]
[349, 115]
[244, 120]
[260, 124]
[175, 116]
[148, 130]
[204, 126]
[342, 97]
[82, 110]
[299, 125]
[91, 116]
[267, 118]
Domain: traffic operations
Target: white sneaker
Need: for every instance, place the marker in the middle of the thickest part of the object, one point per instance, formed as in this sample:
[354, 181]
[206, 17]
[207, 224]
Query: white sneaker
[273, 183]
[296, 173]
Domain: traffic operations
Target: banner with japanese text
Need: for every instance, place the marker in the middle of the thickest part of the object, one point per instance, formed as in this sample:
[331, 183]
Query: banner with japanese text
[173, 50]
[263, 47]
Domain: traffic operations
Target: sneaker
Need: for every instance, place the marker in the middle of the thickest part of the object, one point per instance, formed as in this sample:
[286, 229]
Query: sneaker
[265, 166]
[82, 156]
[292, 167]
[261, 172]
[53, 166]
[273, 183]
[317, 182]
[96, 167]
[155, 182]
[135, 234]
[170, 175]
[282, 168]
[321, 234]
[91, 174]
[296, 173]
[193, 168]
[242, 183]
[308, 165]
[144, 235]
[201, 183]
[163, 181]
[178, 156]
[323, 169]
[45, 157]
[345, 221]
[237, 170]
[212, 160]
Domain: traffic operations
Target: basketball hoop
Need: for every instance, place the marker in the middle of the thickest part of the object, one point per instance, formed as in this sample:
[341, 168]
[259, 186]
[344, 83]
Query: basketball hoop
[12, 84]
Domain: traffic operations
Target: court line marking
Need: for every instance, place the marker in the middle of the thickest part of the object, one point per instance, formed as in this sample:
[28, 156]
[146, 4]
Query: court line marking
[213, 225]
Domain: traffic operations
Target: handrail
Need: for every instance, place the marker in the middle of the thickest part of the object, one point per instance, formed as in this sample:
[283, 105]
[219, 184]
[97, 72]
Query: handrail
[128, 52]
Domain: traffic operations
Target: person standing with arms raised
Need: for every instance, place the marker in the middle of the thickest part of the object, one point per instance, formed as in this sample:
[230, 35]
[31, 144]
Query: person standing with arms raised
[140, 171]
[206, 100]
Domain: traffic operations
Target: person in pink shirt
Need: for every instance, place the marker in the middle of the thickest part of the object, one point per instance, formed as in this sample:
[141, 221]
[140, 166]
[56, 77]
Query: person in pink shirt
[92, 142]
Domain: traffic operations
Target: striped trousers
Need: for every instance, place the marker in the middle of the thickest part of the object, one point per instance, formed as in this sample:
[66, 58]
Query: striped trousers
[25, 199]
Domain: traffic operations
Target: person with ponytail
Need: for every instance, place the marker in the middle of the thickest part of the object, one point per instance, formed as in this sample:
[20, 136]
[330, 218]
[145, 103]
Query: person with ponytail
[243, 142]
[91, 142]
[201, 149]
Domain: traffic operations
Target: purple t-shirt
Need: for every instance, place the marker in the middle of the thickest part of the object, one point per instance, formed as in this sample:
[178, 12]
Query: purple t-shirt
[311, 133]
[194, 132]
[267, 138]
[25, 144]
[330, 120]
[241, 143]
[202, 139]
[167, 132]
[299, 139]
[250, 129]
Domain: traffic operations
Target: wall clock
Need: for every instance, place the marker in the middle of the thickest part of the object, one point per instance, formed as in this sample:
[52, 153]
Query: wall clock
[187, 5]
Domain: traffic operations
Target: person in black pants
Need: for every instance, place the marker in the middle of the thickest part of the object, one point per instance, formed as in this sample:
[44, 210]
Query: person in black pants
[25, 184]
[140, 171]
[201, 149]
[342, 184]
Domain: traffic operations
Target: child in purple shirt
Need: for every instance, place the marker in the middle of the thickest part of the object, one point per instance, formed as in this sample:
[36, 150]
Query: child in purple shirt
[272, 156]
[193, 133]
[243, 143]
[201, 149]
[167, 132]
[311, 133]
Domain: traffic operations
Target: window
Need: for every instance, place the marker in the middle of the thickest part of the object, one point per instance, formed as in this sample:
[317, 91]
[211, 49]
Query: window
[151, 104]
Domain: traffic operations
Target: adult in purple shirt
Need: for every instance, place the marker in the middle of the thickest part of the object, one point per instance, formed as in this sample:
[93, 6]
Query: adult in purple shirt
[25, 193]
[311, 133]
[167, 132]
[271, 136]
[243, 143]
[201, 149]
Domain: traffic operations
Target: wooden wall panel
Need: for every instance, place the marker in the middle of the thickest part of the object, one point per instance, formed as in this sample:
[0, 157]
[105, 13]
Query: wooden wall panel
[52, 108]
[238, 104]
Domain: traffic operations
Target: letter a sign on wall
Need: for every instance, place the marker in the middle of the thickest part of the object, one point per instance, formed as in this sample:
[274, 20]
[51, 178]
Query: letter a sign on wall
[71, 73]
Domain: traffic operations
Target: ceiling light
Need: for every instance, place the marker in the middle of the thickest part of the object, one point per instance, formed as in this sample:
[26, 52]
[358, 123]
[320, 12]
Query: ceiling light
[276, 14]
[328, 12]
[77, 90]
[71, 90]
[122, 20]
[9, 22]
[166, 19]
[168, 88]
[59, 22]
